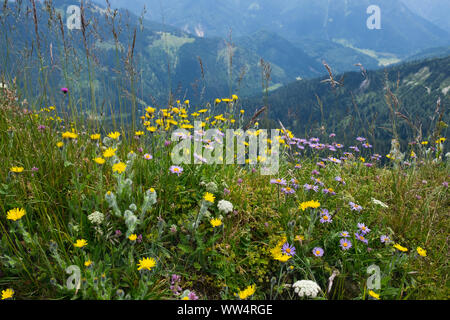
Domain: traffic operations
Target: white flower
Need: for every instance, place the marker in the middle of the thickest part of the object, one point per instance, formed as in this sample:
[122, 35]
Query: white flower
[378, 202]
[225, 206]
[306, 288]
[96, 217]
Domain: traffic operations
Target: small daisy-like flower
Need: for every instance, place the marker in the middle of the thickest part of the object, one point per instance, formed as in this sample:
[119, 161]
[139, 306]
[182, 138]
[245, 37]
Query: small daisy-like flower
[345, 234]
[325, 218]
[354, 206]
[60, 144]
[215, 222]
[345, 244]
[400, 248]
[80, 243]
[16, 169]
[287, 190]
[132, 237]
[148, 156]
[15, 214]
[299, 238]
[287, 249]
[146, 264]
[385, 239]
[87, 263]
[114, 135]
[209, 197]
[119, 167]
[280, 182]
[7, 294]
[318, 252]
[363, 228]
[421, 252]
[361, 238]
[176, 169]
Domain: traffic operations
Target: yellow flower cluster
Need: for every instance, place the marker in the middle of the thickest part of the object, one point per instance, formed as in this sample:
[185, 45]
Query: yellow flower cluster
[309, 204]
[247, 292]
[276, 252]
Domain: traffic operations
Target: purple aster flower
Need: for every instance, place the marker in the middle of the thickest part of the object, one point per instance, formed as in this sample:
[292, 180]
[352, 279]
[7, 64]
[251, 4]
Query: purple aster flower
[176, 169]
[287, 249]
[41, 127]
[294, 183]
[354, 206]
[345, 234]
[278, 181]
[385, 239]
[340, 180]
[325, 218]
[361, 238]
[345, 244]
[445, 184]
[332, 135]
[363, 228]
[368, 164]
[354, 148]
[367, 145]
[148, 156]
[315, 172]
[318, 252]
[239, 181]
[361, 139]
[226, 191]
[287, 190]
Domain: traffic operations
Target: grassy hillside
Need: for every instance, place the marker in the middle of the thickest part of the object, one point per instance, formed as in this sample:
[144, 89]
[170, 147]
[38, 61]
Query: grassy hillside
[114, 207]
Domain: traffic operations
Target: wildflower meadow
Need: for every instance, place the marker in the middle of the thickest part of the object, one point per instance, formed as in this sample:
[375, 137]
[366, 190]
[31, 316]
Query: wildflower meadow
[97, 208]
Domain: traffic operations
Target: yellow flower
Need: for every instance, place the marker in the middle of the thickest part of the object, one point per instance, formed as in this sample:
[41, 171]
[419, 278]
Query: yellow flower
[424, 143]
[151, 129]
[150, 110]
[80, 243]
[421, 252]
[95, 136]
[132, 237]
[119, 167]
[186, 102]
[7, 294]
[247, 292]
[216, 222]
[69, 135]
[234, 97]
[60, 144]
[209, 197]
[16, 169]
[309, 204]
[375, 295]
[114, 135]
[217, 101]
[139, 133]
[185, 298]
[147, 264]
[399, 247]
[110, 152]
[299, 238]
[88, 263]
[242, 111]
[15, 214]
[152, 190]
[99, 160]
